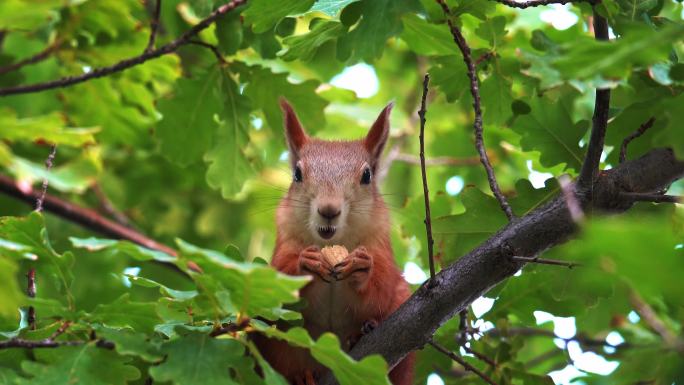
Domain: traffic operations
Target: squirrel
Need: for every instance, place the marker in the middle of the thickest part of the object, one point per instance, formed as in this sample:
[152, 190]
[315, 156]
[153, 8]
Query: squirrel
[334, 200]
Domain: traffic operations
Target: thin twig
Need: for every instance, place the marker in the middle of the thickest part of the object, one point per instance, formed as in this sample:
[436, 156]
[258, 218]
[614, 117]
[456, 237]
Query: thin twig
[426, 192]
[91, 219]
[462, 362]
[60, 330]
[127, 63]
[639, 131]
[537, 3]
[571, 201]
[651, 318]
[462, 339]
[214, 49]
[40, 56]
[438, 160]
[108, 207]
[477, 124]
[31, 292]
[545, 261]
[481, 357]
[592, 160]
[655, 198]
[538, 332]
[484, 57]
[463, 327]
[48, 166]
[154, 26]
[48, 343]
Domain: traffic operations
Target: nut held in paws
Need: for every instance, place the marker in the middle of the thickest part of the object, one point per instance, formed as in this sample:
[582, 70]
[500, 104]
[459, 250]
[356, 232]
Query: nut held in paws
[334, 254]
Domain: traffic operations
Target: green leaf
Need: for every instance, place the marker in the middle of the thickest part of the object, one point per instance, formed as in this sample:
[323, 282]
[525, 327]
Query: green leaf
[188, 124]
[125, 247]
[229, 33]
[265, 14]
[229, 168]
[86, 364]
[448, 73]
[587, 58]
[129, 343]
[30, 232]
[141, 316]
[266, 87]
[380, 20]
[12, 295]
[497, 97]
[427, 39]
[196, 358]
[304, 47]
[550, 130]
[50, 128]
[482, 218]
[370, 370]
[254, 289]
[331, 7]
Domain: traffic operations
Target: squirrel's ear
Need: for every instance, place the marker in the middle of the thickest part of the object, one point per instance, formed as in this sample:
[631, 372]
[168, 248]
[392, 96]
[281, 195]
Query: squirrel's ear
[294, 133]
[378, 134]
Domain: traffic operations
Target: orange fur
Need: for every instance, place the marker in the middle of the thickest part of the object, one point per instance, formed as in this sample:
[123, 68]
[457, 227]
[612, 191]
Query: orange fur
[330, 176]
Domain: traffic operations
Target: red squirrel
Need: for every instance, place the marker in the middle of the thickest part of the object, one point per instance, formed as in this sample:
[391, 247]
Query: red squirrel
[334, 200]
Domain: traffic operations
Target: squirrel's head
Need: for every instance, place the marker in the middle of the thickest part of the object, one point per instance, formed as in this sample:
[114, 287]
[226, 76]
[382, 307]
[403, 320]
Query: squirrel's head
[333, 198]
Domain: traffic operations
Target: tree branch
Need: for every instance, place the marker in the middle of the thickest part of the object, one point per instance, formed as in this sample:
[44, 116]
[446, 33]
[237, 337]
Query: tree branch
[477, 124]
[40, 56]
[472, 275]
[154, 26]
[592, 160]
[462, 362]
[130, 62]
[545, 261]
[437, 161]
[655, 198]
[639, 131]
[88, 218]
[426, 192]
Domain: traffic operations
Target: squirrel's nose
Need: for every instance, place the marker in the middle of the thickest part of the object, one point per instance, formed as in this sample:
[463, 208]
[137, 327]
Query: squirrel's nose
[329, 212]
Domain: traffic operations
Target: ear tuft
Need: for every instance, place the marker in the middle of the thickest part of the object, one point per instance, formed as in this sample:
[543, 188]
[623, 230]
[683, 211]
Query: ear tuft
[294, 132]
[378, 134]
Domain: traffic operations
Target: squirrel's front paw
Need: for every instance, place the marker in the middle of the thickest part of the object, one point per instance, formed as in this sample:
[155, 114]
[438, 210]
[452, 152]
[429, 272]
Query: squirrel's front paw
[311, 260]
[356, 266]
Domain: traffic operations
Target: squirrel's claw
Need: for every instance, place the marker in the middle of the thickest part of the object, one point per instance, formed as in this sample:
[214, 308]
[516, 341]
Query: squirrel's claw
[358, 261]
[311, 260]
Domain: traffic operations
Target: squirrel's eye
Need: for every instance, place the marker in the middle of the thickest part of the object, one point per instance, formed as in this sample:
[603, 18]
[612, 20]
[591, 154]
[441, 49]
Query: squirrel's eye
[297, 174]
[366, 177]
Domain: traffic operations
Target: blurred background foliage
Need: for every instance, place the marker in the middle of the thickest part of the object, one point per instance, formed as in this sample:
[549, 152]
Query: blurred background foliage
[189, 147]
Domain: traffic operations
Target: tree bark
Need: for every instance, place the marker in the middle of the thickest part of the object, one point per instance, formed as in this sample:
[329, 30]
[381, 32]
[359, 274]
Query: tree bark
[414, 323]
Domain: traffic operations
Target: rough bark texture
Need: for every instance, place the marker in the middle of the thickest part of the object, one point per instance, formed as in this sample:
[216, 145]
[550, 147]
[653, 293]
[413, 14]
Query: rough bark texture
[414, 323]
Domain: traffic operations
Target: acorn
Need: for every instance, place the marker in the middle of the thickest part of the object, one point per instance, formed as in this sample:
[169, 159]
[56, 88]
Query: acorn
[334, 254]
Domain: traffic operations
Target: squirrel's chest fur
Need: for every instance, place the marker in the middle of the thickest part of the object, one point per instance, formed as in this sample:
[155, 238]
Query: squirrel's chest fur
[331, 307]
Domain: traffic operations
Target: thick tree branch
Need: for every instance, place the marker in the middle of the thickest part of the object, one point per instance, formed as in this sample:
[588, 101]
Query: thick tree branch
[90, 219]
[592, 160]
[130, 62]
[471, 276]
[477, 107]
